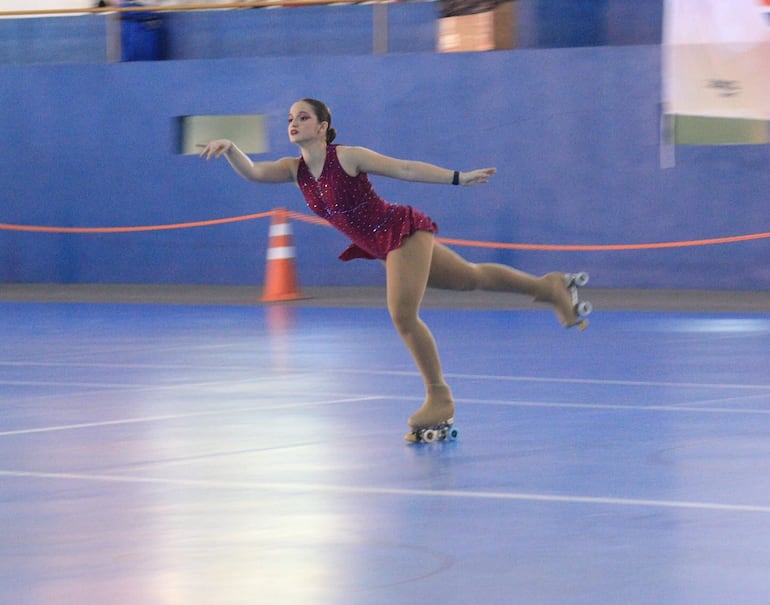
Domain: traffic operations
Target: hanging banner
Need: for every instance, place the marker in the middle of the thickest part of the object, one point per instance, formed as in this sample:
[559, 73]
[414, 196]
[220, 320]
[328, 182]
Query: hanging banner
[716, 64]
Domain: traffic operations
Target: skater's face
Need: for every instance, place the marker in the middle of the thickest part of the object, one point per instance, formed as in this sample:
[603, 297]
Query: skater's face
[304, 124]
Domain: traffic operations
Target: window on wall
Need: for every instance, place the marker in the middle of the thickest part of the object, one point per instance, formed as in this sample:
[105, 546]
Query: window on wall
[249, 132]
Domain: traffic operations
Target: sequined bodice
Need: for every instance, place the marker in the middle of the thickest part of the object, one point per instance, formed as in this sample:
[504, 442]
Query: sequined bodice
[347, 202]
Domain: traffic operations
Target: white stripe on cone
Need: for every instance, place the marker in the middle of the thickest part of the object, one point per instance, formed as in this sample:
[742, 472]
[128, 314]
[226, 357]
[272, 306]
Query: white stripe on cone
[280, 229]
[280, 252]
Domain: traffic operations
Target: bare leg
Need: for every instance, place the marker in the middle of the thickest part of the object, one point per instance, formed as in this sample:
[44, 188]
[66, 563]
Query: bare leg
[449, 271]
[407, 276]
[421, 262]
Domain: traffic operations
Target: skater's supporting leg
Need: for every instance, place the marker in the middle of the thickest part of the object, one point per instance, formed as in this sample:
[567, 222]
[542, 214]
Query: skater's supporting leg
[450, 271]
[407, 276]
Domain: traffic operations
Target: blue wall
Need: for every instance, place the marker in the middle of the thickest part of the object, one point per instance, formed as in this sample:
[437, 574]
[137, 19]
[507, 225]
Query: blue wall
[329, 30]
[574, 134]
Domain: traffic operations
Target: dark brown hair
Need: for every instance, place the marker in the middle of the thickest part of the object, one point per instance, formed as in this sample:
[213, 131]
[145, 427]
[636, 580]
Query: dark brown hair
[323, 114]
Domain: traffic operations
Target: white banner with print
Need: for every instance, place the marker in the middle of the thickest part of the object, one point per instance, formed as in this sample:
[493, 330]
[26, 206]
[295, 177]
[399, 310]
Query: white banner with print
[716, 58]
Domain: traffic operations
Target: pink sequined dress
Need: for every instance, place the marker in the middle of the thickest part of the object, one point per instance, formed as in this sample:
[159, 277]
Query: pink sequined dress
[351, 205]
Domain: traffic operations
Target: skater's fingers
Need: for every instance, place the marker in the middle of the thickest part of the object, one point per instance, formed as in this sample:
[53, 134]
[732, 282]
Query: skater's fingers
[205, 150]
[214, 148]
[478, 176]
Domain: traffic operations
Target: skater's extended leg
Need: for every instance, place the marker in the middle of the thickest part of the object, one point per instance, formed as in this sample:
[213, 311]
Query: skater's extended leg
[407, 276]
[450, 271]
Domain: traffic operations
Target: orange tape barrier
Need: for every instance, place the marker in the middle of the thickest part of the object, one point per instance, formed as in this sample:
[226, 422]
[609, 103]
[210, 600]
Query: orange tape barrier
[218, 221]
[607, 247]
[572, 247]
[307, 218]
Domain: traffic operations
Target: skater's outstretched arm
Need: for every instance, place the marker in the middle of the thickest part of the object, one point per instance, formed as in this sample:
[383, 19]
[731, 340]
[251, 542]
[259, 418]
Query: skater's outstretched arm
[361, 159]
[277, 171]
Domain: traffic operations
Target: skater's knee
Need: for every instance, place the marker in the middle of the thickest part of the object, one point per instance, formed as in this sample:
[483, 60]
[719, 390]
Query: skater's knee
[465, 279]
[404, 317]
[470, 278]
[405, 322]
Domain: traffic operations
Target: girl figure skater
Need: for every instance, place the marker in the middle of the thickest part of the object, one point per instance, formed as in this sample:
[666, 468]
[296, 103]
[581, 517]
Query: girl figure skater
[333, 179]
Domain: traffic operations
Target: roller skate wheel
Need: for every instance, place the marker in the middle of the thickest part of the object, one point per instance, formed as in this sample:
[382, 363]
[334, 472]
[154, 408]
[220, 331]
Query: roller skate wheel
[429, 436]
[584, 308]
[452, 434]
[580, 279]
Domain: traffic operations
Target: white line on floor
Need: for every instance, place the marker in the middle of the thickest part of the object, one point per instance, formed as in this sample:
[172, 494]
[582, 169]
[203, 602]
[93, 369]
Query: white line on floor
[389, 491]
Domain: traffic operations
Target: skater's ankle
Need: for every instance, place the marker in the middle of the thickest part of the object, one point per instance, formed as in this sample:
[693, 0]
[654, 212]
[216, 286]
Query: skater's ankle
[438, 407]
[549, 287]
[437, 386]
[438, 394]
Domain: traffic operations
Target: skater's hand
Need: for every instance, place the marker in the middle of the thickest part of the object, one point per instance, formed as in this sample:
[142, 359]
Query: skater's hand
[475, 177]
[215, 148]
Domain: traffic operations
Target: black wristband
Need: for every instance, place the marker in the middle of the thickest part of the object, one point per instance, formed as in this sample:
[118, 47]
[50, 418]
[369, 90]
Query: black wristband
[456, 178]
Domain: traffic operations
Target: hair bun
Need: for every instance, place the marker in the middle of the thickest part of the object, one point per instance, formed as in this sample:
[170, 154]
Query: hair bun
[331, 134]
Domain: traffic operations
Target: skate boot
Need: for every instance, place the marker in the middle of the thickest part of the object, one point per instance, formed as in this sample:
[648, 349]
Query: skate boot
[435, 418]
[560, 290]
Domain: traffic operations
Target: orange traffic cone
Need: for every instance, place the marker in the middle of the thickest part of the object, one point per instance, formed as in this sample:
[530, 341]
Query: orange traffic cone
[280, 273]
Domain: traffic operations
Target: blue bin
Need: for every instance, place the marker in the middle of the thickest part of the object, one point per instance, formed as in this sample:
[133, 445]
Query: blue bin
[143, 35]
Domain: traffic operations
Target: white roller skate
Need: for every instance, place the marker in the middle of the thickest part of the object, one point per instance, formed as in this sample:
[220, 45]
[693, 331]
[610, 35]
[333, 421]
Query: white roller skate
[434, 421]
[563, 294]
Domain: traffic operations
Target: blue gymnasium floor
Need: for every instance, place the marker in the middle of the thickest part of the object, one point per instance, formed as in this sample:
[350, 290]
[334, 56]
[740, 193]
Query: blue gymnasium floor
[186, 454]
